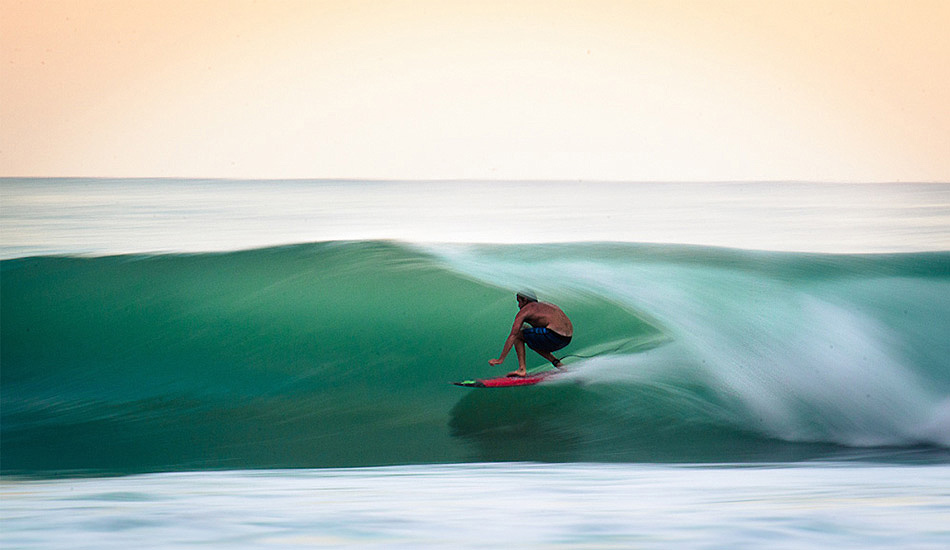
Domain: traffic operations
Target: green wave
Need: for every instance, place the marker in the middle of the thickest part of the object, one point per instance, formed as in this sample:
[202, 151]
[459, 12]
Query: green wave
[342, 354]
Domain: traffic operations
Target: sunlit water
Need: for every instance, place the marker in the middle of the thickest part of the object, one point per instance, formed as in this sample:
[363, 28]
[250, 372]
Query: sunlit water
[557, 506]
[109, 216]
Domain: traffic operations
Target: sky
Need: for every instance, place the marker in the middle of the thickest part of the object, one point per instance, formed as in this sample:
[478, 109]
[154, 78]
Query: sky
[824, 90]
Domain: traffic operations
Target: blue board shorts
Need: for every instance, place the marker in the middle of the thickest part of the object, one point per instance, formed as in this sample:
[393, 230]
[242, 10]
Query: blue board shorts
[542, 339]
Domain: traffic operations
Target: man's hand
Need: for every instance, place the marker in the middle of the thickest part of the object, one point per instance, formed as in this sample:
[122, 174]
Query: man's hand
[495, 362]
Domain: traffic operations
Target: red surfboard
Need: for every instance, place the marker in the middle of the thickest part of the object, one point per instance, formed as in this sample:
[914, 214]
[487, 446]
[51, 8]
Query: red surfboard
[509, 381]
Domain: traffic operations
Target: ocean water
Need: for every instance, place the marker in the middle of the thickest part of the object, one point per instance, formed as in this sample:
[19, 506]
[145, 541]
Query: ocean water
[547, 506]
[103, 216]
[267, 364]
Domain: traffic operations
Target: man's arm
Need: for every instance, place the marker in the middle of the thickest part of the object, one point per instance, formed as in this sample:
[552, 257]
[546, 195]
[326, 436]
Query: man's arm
[504, 351]
[510, 341]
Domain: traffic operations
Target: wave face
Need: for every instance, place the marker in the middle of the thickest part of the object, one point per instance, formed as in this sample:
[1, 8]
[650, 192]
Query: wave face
[341, 354]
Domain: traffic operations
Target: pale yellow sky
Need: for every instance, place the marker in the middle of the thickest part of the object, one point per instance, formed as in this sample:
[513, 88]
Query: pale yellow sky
[596, 90]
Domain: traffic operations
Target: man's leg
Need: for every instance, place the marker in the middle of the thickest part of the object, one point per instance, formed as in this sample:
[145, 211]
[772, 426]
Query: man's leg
[550, 357]
[519, 349]
[541, 346]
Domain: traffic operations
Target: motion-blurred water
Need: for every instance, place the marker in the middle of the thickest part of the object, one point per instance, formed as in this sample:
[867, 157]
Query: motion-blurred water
[778, 396]
[112, 216]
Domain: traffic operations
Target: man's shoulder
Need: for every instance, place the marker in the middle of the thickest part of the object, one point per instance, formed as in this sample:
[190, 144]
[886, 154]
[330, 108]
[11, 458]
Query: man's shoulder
[540, 308]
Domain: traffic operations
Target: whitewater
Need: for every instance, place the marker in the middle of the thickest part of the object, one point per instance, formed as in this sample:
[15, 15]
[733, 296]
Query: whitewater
[777, 347]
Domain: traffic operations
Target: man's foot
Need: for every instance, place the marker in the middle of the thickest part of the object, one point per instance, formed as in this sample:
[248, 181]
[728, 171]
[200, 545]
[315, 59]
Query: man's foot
[558, 364]
[518, 373]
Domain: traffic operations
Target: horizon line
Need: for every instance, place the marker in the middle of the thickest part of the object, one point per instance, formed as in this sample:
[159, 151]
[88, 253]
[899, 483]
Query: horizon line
[470, 180]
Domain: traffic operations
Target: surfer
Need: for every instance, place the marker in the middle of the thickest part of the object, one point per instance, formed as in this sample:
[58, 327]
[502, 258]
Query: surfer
[550, 330]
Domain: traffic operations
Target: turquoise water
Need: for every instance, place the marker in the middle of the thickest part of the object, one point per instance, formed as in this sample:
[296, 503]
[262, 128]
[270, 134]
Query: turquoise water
[342, 354]
[178, 370]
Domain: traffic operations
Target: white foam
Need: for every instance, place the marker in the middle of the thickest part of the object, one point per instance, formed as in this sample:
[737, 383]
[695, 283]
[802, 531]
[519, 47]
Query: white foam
[793, 362]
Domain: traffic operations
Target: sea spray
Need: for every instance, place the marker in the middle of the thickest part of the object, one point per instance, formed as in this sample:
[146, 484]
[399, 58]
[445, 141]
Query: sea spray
[844, 349]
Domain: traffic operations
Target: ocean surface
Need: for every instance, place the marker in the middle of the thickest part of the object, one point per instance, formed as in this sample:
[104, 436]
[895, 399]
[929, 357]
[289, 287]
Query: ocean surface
[267, 364]
[510, 505]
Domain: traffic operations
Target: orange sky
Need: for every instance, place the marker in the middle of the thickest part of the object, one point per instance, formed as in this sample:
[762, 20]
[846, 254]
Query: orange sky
[664, 90]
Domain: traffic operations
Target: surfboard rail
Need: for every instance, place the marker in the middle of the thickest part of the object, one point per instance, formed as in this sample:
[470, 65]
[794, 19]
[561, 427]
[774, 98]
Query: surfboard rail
[509, 381]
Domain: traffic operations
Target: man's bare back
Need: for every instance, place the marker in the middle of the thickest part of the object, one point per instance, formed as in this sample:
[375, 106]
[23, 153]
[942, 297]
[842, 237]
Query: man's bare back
[549, 316]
